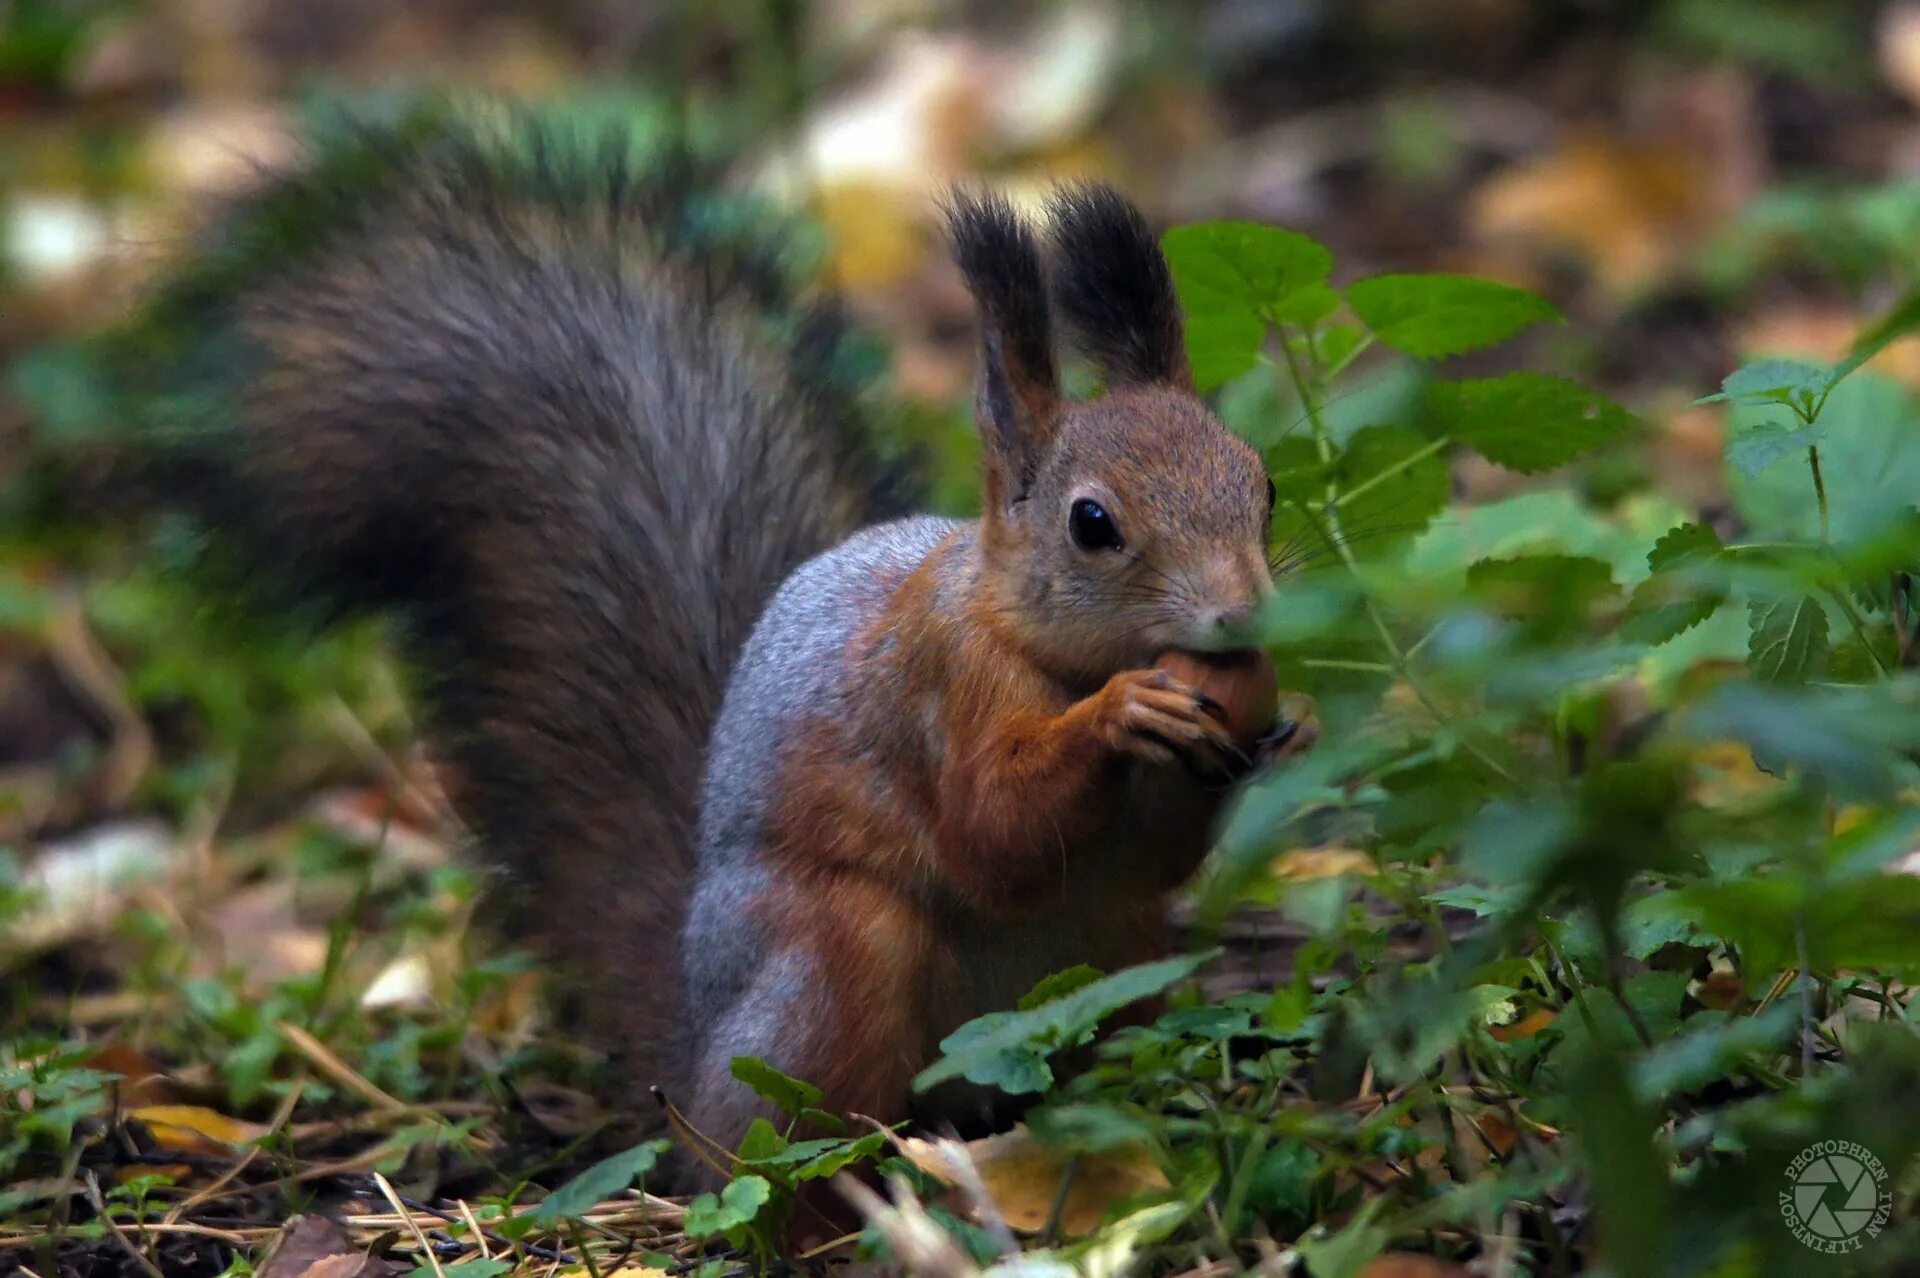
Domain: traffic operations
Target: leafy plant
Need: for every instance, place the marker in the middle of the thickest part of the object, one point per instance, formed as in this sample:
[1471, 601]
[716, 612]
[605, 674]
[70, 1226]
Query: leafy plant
[1641, 889]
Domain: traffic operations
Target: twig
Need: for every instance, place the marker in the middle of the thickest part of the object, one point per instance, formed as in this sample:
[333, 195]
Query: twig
[339, 1071]
[412, 1225]
[545, 1253]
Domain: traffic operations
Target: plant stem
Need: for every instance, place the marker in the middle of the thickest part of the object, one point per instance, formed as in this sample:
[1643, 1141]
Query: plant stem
[1332, 535]
[1819, 490]
[1859, 625]
[1388, 472]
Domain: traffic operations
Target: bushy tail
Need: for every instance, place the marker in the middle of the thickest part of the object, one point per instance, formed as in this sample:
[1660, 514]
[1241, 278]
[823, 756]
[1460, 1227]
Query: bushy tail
[551, 405]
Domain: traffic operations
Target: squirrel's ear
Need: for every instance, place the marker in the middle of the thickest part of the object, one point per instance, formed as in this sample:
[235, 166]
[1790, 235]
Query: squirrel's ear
[1114, 287]
[1019, 395]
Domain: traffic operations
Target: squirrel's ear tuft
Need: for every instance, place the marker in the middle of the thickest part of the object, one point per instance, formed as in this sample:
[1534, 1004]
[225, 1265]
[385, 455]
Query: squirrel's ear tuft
[1019, 397]
[1113, 286]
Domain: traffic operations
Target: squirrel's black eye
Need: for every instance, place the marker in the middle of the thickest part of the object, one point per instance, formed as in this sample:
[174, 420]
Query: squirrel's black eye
[1092, 528]
[1273, 496]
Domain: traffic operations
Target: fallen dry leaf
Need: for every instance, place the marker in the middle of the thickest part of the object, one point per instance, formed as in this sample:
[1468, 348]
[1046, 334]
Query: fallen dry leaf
[257, 931]
[195, 1129]
[1401, 1264]
[145, 1082]
[1499, 1133]
[1634, 205]
[406, 982]
[315, 1247]
[1022, 1177]
[1304, 864]
[372, 816]
[83, 883]
[1899, 49]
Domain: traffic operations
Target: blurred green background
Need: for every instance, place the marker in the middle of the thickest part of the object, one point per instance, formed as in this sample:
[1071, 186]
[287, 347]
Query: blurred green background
[210, 823]
[1692, 181]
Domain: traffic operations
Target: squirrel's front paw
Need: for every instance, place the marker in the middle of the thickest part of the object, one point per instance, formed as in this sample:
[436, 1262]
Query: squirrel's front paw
[1153, 716]
[1293, 733]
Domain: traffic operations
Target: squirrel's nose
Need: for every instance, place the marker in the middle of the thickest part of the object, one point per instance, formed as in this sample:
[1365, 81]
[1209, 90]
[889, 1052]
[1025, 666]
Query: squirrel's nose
[1226, 619]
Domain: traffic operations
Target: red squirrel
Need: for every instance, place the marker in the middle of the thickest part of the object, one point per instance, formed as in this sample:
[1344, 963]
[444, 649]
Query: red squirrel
[781, 785]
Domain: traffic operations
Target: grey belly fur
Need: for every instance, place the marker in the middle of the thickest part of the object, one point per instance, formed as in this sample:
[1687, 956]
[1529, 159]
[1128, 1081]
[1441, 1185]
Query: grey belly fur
[790, 668]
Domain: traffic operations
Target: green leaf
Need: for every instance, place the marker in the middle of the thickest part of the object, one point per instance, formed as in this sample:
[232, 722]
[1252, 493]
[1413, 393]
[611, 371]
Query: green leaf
[1685, 544]
[736, 1205]
[1016, 1069]
[1753, 451]
[829, 1162]
[1089, 1129]
[1305, 307]
[1391, 482]
[1525, 421]
[1796, 385]
[1863, 924]
[1222, 345]
[1710, 1051]
[1856, 739]
[1391, 487]
[1234, 278]
[1788, 640]
[1434, 316]
[1625, 1166]
[1853, 661]
[1553, 593]
[600, 1182]
[1066, 1020]
[761, 1142]
[1059, 985]
[1243, 263]
[816, 1159]
[1870, 460]
[789, 1093]
[1667, 603]
[1335, 344]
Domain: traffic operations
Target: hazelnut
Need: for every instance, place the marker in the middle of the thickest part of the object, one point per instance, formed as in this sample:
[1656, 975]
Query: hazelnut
[1242, 682]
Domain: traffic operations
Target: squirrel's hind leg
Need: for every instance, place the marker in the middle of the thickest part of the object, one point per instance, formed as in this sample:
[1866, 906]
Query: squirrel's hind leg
[835, 1006]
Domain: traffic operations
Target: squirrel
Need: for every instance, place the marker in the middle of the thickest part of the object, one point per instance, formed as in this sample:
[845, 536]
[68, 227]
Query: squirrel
[786, 778]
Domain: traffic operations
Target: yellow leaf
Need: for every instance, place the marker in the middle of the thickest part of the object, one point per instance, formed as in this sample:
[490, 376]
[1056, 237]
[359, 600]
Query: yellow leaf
[195, 1128]
[1631, 209]
[1526, 1027]
[877, 235]
[1303, 864]
[1022, 1177]
[1849, 819]
[176, 1172]
[1725, 775]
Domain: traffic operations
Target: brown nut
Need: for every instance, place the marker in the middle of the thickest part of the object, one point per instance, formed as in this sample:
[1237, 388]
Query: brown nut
[1241, 682]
